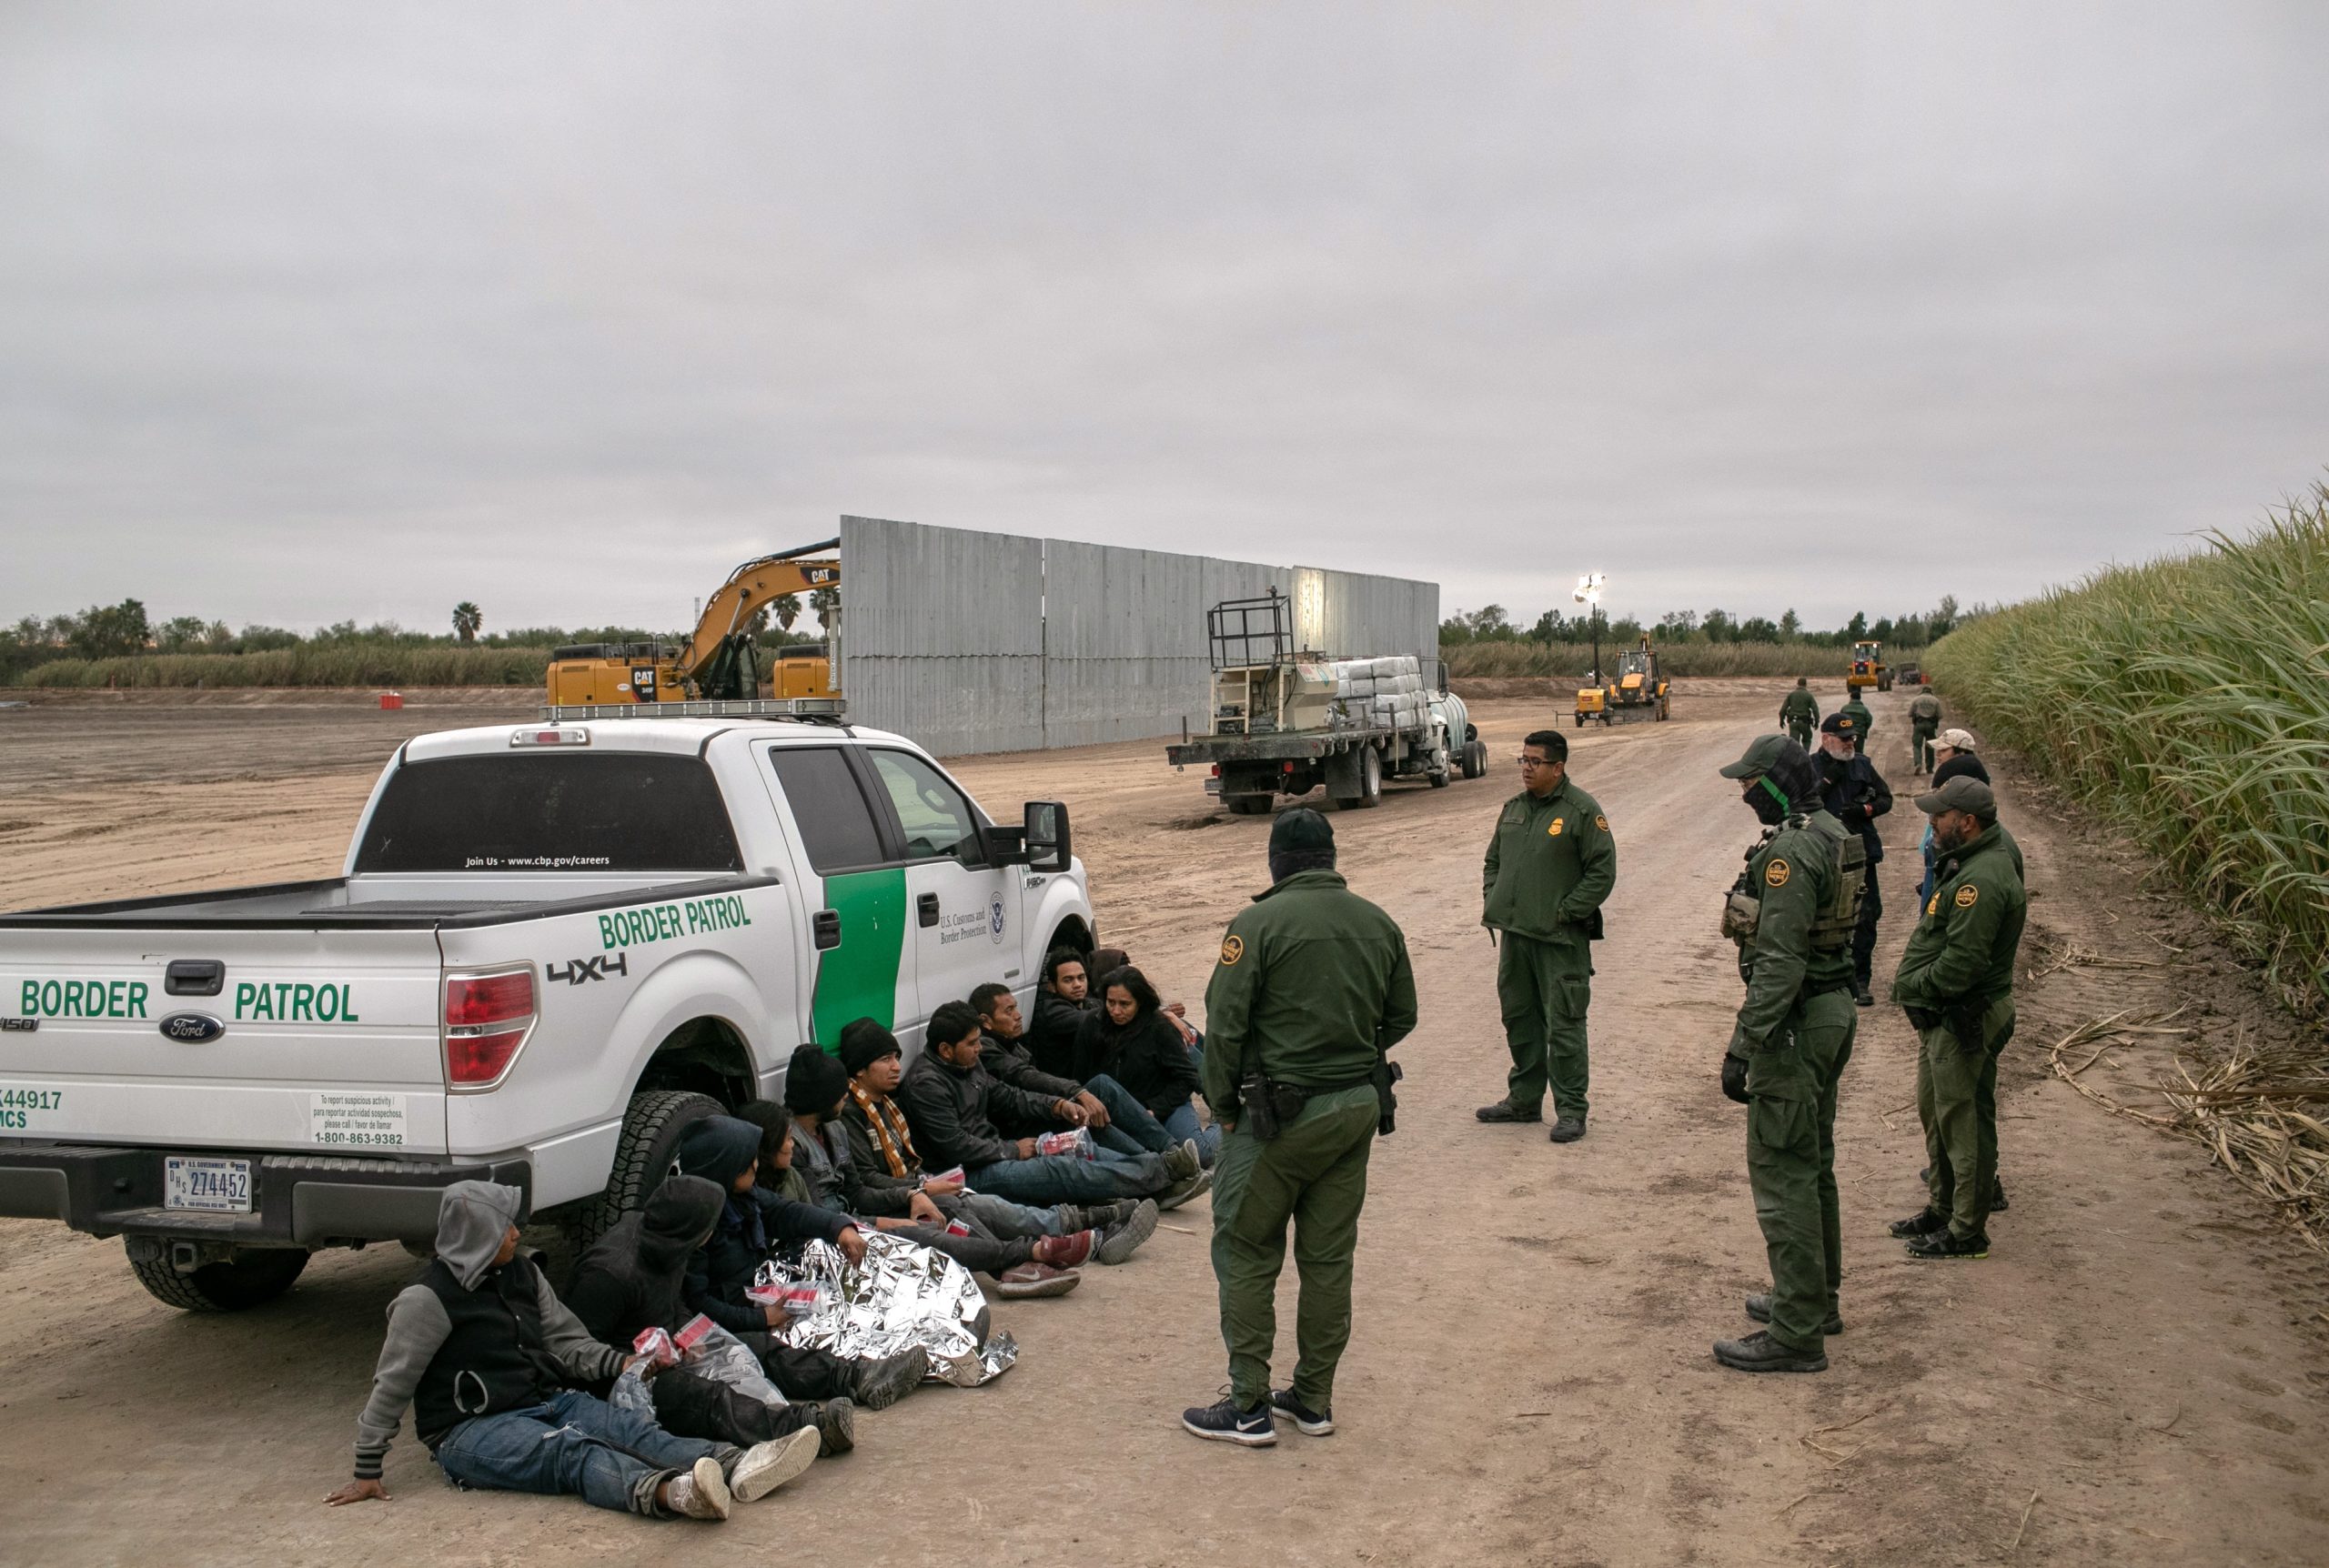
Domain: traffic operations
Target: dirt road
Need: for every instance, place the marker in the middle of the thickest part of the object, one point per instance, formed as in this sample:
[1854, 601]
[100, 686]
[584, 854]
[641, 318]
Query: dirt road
[1530, 1382]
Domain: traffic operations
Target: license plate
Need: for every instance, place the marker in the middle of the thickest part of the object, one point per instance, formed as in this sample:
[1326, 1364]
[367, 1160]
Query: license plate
[1212, 786]
[212, 1186]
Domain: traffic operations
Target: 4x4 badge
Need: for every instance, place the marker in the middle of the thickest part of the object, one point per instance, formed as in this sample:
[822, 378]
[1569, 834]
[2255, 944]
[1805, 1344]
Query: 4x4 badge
[580, 971]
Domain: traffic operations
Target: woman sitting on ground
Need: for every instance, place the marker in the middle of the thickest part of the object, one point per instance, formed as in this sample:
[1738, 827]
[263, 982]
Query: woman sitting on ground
[1131, 1038]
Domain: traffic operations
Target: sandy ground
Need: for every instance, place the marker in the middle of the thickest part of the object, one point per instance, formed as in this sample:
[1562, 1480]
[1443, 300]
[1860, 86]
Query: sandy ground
[1529, 1381]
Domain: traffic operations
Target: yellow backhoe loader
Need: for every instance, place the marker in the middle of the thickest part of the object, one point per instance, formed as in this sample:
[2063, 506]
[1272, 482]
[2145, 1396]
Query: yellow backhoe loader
[1639, 691]
[720, 661]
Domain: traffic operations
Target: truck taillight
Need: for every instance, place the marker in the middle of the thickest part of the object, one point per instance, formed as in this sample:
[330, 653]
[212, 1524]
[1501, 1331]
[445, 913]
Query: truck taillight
[488, 1017]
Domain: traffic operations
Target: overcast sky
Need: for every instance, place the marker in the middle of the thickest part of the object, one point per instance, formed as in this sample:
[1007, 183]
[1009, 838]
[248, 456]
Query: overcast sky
[322, 311]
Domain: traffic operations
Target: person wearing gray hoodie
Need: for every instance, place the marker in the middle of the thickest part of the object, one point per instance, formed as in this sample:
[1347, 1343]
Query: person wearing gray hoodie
[480, 1349]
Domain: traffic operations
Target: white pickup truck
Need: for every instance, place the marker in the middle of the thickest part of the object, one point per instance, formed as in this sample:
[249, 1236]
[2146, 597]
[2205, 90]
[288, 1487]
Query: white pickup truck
[554, 946]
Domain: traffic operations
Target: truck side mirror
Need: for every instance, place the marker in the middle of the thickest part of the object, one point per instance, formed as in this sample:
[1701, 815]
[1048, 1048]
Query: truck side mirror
[1044, 834]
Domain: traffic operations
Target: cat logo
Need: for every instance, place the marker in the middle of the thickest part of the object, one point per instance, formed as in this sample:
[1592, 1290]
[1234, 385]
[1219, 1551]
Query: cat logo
[1966, 895]
[1776, 873]
[1232, 950]
[1554, 830]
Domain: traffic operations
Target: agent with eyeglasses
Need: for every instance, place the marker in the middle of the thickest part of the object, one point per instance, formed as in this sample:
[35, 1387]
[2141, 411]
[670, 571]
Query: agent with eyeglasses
[1550, 864]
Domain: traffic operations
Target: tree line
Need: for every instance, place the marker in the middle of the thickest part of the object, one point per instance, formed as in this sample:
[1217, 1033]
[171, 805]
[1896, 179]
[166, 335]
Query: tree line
[1494, 623]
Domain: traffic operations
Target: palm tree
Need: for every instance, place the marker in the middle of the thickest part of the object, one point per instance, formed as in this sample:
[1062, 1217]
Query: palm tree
[823, 601]
[788, 610]
[466, 618]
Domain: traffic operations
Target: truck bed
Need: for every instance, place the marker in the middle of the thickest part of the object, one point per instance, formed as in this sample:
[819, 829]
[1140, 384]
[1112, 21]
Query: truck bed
[339, 904]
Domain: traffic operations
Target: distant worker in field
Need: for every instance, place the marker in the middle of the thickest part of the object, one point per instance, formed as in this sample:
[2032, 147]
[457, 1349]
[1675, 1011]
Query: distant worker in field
[1956, 984]
[1924, 725]
[1863, 721]
[1312, 988]
[1855, 794]
[1793, 914]
[1800, 713]
[1550, 863]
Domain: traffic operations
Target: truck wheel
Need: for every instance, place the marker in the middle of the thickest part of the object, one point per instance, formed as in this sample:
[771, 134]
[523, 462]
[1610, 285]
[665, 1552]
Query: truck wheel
[1370, 778]
[1580, 722]
[258, 1275]
[1246, 805]
[1439, 779]
[1475, 759]
[646, 1153]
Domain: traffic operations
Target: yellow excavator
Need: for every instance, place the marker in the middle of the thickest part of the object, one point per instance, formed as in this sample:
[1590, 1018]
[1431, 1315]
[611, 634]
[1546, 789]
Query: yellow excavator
[1640, 691]
[720, 661]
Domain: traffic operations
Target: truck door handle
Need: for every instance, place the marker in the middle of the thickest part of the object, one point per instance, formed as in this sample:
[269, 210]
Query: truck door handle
[824, 928]
[927, 907]
[193, 977]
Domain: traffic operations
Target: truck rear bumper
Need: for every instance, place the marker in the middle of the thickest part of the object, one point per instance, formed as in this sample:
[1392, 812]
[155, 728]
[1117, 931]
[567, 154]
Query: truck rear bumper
[296, 1199]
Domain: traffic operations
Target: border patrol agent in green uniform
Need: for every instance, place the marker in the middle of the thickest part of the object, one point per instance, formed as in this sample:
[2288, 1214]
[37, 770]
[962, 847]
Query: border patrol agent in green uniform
[1924, 723]
[1793, 913]
[1800, 713]
[1863, 721]
[1956, 984]
[1312, 988]
[1550, 864]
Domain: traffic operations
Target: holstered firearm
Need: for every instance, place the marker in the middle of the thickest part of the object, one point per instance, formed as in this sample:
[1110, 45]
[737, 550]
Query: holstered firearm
[1270, 1105]
[1965, 1021]
[1386, 1073]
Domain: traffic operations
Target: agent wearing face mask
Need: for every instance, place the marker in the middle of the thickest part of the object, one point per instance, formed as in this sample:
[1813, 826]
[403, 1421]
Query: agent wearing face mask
[1793, 914]
[1956, 984]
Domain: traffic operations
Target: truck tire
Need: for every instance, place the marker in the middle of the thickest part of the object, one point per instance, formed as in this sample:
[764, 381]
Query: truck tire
[1475, 759]
[646, 1153]
[258, 1275]
[1246, 805]
[1370, 782]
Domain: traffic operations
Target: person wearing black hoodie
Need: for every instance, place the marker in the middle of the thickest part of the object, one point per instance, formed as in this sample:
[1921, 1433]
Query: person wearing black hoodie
[634, 1279]
[752, 1223]
[1128, 1039]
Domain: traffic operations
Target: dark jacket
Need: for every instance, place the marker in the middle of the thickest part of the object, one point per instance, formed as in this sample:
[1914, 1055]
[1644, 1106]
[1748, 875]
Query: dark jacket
[1147, 1056]
[634, 1277]
[1050, 1039]
[1855, 794]
[953, 1110]
[752, 1223]
[1013, 1063]
[843, 1185]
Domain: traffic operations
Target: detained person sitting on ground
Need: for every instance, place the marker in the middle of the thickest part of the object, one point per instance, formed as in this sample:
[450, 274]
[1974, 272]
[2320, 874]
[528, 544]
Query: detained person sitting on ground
[634, 1278]
[752, 1224]
[950, 1102]
[1133, 1040]
[1115, 1118]
[882, 1146]
[481, 1350]
[1062, 998]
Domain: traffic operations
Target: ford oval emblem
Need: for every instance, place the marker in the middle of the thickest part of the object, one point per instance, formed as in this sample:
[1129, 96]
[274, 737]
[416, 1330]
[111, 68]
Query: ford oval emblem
[192, 1027]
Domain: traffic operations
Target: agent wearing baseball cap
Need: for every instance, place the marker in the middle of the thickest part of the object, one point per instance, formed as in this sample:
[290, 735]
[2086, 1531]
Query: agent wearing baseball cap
[1856, 795]
[1956, 984]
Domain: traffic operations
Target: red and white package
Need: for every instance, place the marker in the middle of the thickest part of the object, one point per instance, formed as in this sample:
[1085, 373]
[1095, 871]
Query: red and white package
[656, 1345]
[956, 1228]
[956, 1174]
[1076, 1141]
[798, 1300]
[693, 1333]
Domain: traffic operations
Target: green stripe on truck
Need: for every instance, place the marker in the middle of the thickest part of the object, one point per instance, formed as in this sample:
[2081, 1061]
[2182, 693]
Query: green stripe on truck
[859, 979]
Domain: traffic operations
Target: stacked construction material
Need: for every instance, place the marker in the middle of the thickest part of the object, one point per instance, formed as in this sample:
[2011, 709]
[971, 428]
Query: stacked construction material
[1380, 693]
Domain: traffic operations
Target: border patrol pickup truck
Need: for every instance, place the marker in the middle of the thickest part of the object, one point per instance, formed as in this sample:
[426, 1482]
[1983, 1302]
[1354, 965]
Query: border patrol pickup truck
[553, 946]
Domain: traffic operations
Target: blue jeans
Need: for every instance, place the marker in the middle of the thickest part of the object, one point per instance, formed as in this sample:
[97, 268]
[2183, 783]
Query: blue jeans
[1182, 1126]
[1070, 1178]
[1007, 1219]
[576, 1444]
[1131, 1130]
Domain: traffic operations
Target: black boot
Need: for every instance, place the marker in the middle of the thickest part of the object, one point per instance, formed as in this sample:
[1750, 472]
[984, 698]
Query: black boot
[1760, 1352]
[1504, 1110]
[1943, 1244]
[1924, 1222]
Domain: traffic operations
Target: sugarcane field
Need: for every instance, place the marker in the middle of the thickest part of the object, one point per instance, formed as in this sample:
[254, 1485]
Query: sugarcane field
[920, 785]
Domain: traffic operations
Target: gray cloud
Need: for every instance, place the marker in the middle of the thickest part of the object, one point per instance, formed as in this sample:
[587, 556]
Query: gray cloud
[324, 312]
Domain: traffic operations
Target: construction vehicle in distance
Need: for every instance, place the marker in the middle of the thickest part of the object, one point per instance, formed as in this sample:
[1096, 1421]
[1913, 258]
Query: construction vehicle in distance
[1869, 667]
[1284, 721]
[721, 662]
[1640, 691]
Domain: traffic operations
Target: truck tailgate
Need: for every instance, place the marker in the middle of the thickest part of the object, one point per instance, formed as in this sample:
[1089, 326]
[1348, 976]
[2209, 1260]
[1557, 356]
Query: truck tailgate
[312, 1040]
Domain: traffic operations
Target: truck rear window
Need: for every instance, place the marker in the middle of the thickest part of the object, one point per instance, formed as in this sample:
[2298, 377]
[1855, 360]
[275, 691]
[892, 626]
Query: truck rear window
[607, 811]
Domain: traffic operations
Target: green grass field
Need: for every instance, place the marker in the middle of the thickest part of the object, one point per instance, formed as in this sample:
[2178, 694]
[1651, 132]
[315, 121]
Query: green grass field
[331, 664]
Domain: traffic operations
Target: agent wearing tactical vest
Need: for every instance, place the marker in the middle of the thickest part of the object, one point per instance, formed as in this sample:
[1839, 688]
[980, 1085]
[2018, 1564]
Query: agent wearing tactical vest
[1956, 984]
[1550, 864]
[1924, 724]
[1800, 713]
[1312, 988]
[1793, 914]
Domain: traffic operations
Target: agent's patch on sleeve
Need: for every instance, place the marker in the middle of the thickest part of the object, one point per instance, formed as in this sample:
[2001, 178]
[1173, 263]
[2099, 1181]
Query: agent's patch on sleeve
[1777, 873]
[1232, 949]
[1966, 896]
[1602, 823]
[1932, 905]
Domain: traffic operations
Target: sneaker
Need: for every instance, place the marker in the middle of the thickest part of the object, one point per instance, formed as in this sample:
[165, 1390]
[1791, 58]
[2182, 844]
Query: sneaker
[1866, 998]
[1183, 1160]
[1120, 1241]
[1313, 1423]
[1180, 1192]
[1760, 1352]
[766, 1466]
[880, 1382]
[1070, 1251]
[1923, 1223]
[1567, 1130]
[700, 1493]
[1028, 1281]
[1504, 1110]
[1225, 1422]
[1759, 1307]
[836, 1423]
[1946, 1244]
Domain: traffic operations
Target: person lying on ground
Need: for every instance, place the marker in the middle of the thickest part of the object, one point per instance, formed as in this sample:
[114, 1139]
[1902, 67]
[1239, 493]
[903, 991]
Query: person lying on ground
[481, 1351]
[1133, 1040]
[752, 1224]
[634, 1278]
[950, 1103]
[803, 1139]
[879, 1140]
[1113, 1115]
[1062, 998]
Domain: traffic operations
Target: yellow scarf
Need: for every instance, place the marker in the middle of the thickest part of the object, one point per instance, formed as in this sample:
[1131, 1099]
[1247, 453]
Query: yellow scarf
[890, 1135]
